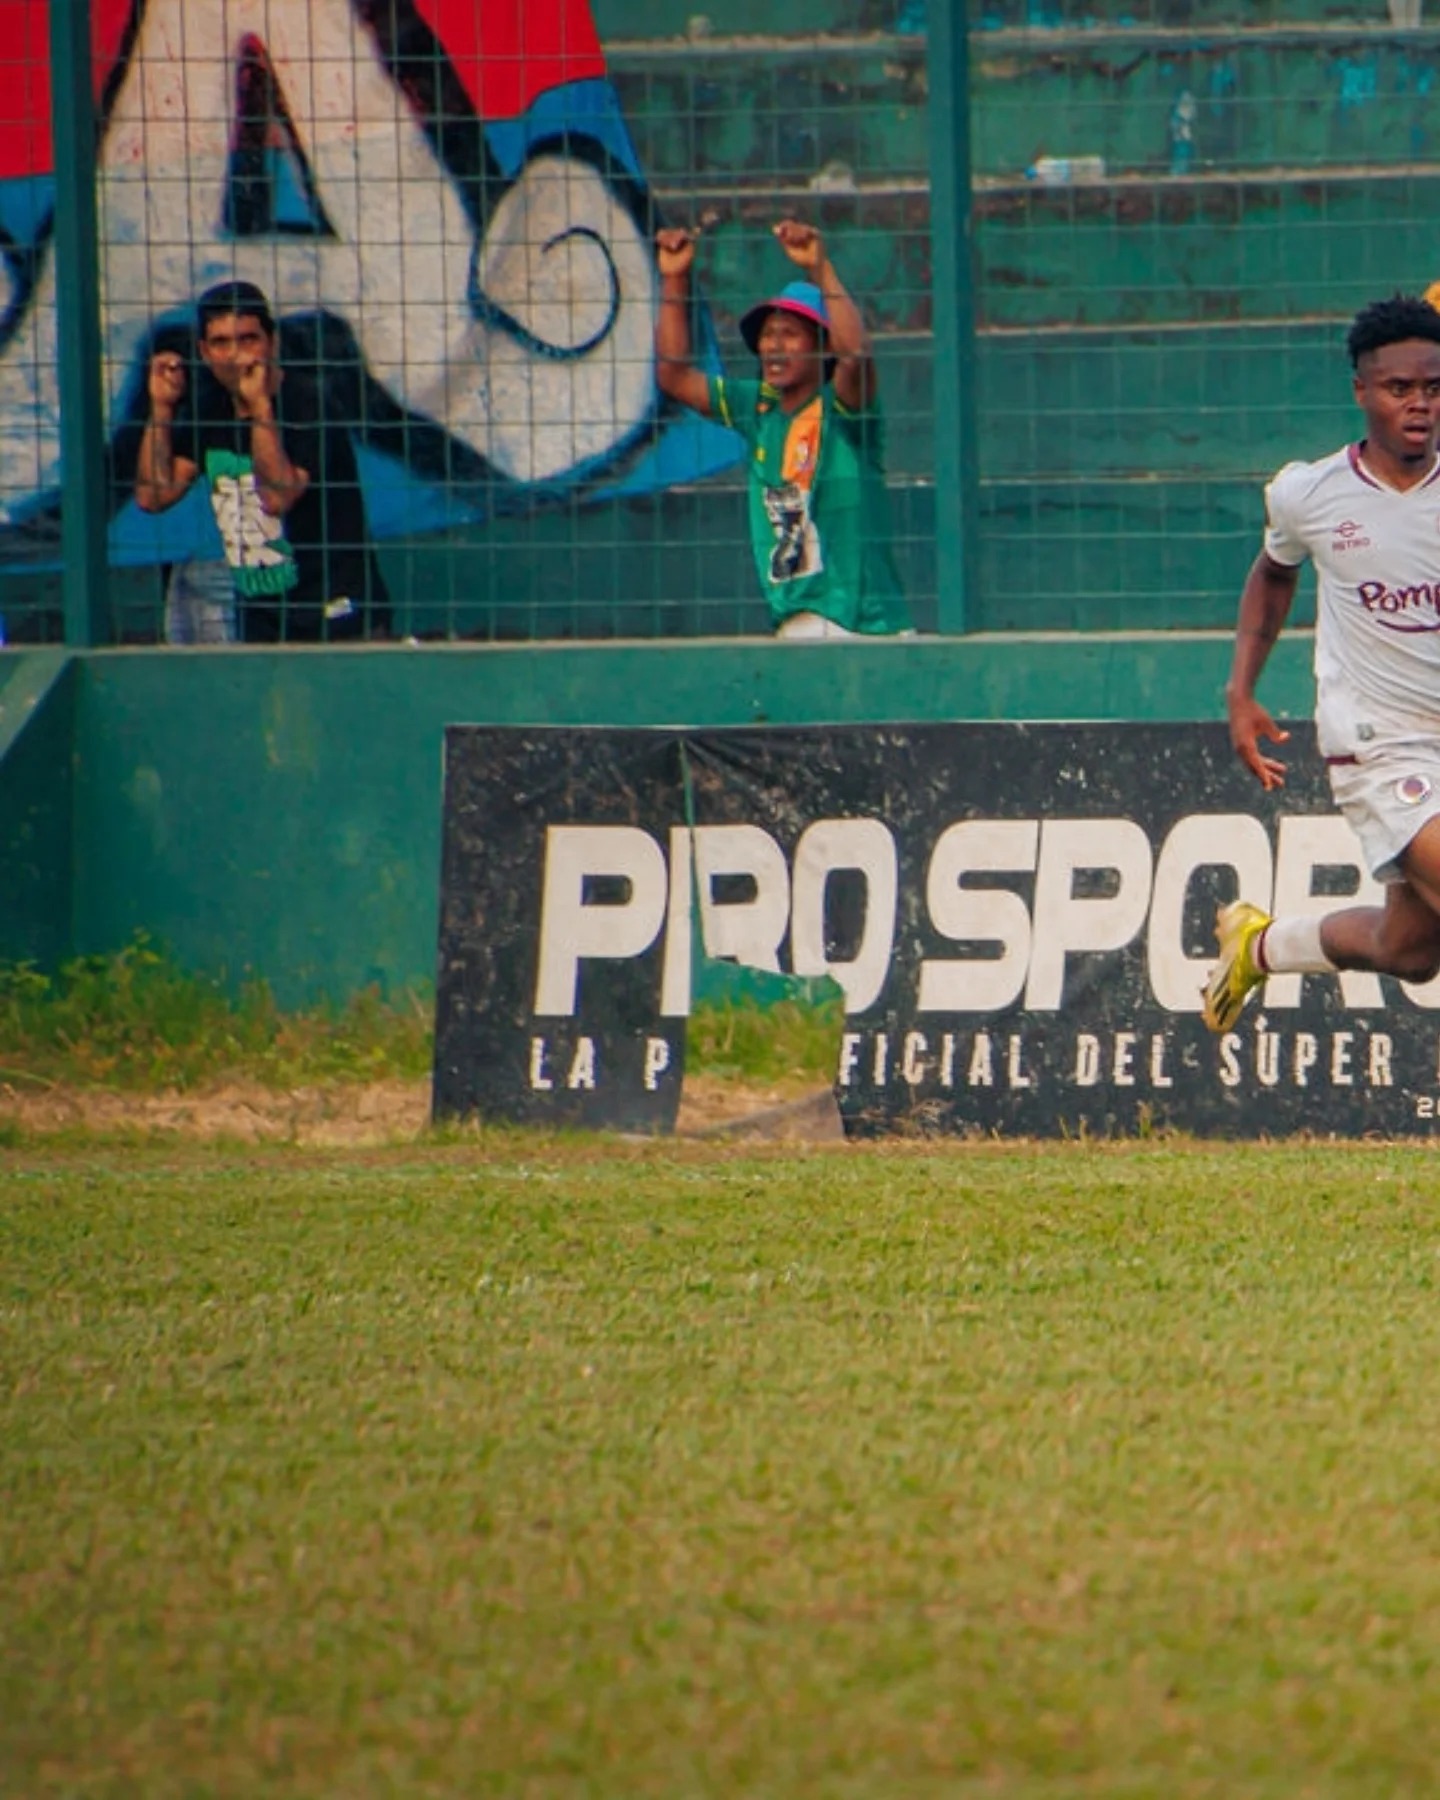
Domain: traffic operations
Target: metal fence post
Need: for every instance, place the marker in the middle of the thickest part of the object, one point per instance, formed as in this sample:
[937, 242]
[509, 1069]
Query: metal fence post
[957, 507]
[83, 499]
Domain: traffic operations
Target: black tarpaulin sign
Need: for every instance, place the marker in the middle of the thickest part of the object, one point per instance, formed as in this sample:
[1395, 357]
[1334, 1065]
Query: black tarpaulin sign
[1020, 918]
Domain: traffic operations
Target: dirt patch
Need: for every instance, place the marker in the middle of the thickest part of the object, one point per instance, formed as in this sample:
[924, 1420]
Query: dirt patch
[352, 1113]
[710, 1102]
[356, 1113]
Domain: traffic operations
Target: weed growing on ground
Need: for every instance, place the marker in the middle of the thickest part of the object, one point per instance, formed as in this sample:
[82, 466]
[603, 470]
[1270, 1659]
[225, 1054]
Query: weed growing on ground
[765, 1043]
[139, 1021]
[136, 1019]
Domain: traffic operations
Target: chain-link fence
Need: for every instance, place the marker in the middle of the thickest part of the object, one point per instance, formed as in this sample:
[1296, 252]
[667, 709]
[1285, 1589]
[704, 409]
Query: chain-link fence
[449, 209]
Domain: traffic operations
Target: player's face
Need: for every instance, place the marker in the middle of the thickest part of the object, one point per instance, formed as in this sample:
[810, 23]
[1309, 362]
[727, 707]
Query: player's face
[232, 344]
[1399, 388]
[789, 351]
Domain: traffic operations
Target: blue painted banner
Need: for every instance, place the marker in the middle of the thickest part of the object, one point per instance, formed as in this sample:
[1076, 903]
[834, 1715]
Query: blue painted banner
[440, 198]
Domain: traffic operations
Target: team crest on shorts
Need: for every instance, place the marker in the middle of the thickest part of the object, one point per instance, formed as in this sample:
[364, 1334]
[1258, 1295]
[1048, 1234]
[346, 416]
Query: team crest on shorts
[1410, 790]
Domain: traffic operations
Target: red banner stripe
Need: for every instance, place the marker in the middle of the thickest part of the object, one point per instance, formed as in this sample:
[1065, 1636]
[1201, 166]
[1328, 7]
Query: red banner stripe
[505, 52]
[26, 144]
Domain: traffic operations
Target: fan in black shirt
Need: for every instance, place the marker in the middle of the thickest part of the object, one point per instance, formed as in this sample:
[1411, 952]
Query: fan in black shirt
[282, 477]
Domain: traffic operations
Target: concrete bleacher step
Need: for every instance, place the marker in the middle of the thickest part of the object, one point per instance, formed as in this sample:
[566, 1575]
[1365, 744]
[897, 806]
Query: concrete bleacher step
[1118, 555]
[621, 19]
[777, 108]
[1229, 16]
[1275, 247]
[617, 20]
[1281, 95]
[1152, 405]
[1183, 102]
[1312, 173]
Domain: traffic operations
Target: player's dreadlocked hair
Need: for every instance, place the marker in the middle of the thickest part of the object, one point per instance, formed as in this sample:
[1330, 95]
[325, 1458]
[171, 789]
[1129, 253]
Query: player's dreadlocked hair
[1391, 321]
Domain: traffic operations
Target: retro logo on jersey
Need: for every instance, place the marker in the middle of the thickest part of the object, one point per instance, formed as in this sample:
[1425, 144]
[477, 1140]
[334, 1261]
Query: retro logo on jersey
[1349, 536]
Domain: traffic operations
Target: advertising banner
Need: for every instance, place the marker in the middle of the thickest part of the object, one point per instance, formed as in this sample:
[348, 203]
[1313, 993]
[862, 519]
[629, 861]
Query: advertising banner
[1020, 916]
[573, 825]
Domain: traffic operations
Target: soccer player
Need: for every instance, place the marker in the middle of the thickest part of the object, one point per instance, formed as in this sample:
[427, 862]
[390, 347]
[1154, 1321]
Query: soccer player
[819, 510]
[1369, 517]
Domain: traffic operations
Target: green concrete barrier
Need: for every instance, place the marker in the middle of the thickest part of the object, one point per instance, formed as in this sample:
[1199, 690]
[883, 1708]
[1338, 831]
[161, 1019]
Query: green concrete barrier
[277, 813]
[37, 872]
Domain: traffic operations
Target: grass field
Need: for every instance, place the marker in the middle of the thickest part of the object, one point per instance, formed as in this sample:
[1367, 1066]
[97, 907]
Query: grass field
[528, 1466]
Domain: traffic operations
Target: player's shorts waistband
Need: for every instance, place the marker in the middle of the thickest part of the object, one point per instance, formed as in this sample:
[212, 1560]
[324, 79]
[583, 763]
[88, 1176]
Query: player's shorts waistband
[1332, 762]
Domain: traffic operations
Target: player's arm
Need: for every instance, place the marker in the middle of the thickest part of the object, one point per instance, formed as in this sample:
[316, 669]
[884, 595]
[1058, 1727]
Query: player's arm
[162, 477]
[1265, 602]
[854, 380]
[675, 374]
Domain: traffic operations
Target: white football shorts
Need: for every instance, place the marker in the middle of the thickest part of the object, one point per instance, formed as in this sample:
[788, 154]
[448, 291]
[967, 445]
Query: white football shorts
[1386, 799]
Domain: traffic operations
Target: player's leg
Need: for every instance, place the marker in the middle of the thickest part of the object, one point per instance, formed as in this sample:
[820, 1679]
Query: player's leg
[1404, 940]
[1392, 803]
[1400, 938]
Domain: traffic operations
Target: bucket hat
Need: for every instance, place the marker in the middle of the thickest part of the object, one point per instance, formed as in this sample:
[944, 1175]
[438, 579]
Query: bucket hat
[802, 298]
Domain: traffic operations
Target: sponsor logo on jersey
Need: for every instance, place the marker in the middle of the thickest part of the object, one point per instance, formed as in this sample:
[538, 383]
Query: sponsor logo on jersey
[1404, 608]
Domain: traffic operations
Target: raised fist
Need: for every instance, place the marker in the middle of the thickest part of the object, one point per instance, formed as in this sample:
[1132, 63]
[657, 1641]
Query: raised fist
[166, 384]
[674, 250]
[802, 243]
[257, 383]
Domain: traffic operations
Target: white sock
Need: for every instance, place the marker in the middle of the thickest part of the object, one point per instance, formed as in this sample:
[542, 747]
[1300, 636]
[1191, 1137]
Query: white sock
[1292, 947]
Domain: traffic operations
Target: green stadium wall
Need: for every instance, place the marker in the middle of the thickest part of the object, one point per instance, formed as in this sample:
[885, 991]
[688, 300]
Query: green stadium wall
[277, 814]
[37, 805]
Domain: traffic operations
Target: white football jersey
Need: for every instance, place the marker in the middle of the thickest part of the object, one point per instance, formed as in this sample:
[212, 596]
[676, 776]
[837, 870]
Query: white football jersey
[1377, 617]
